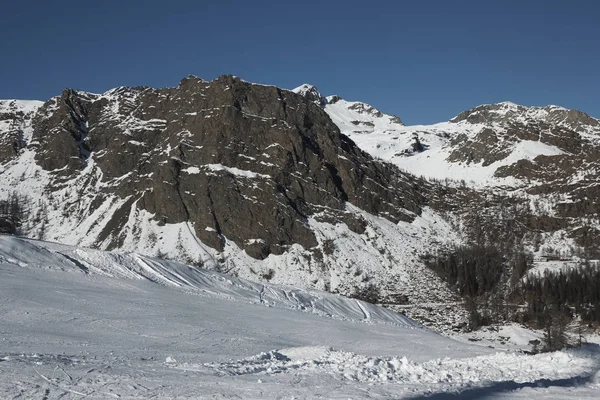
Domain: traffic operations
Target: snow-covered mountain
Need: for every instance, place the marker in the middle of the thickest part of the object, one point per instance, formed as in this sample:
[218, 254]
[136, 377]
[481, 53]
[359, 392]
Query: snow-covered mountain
[247, 179]
[352, 117]
[288, 187]
[82, 323]
[15, 125]
[479, 145]
[554, 115]
[542, 160]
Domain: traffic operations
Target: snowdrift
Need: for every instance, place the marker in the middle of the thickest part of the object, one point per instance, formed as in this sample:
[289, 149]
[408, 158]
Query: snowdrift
[53, 256]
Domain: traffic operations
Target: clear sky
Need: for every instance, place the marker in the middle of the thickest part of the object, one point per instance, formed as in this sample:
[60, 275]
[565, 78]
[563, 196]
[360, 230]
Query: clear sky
[422, 60]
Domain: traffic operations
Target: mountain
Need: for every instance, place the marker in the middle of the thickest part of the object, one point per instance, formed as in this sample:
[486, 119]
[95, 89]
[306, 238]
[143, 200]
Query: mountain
[292, 187]
[575, 120]
[489, 145]
[248, 179]
[520, 184]
[350, 116]
[541, 163]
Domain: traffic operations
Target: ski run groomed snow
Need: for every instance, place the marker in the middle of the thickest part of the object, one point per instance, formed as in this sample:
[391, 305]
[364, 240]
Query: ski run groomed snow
[78, 323]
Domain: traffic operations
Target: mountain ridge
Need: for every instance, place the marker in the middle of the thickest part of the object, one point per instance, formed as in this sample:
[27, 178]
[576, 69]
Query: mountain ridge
[248, 179]
[271, 185]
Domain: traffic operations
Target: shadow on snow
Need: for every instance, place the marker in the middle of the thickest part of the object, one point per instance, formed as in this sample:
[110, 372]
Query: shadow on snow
[506, 386]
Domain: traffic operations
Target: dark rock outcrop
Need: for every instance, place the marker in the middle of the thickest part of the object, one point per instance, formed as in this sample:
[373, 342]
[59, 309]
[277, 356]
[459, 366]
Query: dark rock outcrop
[245, 162]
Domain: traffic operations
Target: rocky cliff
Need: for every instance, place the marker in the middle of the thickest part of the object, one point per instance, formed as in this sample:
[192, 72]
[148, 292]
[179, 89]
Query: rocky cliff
[223, 174]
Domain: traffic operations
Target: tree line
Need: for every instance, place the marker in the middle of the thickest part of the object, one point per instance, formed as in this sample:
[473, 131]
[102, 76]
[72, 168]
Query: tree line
[572, 292]
[496, 288]
[12, 214]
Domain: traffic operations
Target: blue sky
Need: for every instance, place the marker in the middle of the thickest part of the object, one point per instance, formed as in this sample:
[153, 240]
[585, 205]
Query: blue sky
[424, 61]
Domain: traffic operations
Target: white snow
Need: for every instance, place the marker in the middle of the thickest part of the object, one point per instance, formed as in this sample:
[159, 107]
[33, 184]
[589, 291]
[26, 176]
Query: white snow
[191, 170]
[26, 106]
[361, 118]
[308, 90]
[303, 89]
[84, 323]
[236, 171]
[385, 137]
[434, 164]
[510, 336]
[530, 149]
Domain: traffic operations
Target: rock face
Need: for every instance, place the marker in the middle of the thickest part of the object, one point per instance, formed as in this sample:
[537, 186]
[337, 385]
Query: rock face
[574, 120]
[245, 162]
[15, 118]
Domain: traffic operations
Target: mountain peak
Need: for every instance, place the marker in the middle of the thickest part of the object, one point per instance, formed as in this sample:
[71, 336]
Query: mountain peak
[508, 104]
[509, 112]
[311, 93]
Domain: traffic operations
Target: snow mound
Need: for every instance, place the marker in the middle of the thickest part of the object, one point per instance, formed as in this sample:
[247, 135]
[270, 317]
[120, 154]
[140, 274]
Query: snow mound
[463, 372]
[37, 254]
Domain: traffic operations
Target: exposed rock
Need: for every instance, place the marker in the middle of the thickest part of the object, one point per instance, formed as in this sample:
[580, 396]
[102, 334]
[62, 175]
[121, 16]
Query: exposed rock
[311, 93]
[247, 162]
[15, 115]
[574, 120]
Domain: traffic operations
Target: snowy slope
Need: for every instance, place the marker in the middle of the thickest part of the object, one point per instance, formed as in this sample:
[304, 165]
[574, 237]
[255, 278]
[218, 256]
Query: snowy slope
[360, 118]
[78, 322]
[24, 106]
[12, 112]
[434, 163]
[188, 279]
[15, 116]
[81, 323]
[384, 136]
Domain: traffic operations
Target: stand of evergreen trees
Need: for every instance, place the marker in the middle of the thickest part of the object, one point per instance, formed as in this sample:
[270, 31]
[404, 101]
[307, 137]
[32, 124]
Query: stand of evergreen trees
[12, 214]
[496, 288]
[472, 270]
[571, 292]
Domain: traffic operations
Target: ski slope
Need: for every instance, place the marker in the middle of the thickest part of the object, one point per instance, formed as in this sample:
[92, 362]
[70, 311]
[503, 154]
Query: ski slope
[79, 323]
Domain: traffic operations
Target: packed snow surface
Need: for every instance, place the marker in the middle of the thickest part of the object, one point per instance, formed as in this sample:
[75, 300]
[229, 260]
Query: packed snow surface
[79, 323]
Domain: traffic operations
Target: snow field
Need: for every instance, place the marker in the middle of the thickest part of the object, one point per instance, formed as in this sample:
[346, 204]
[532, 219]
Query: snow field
[85, 323]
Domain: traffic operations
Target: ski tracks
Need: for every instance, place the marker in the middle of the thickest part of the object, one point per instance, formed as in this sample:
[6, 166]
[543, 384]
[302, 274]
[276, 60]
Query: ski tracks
[364, 310]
